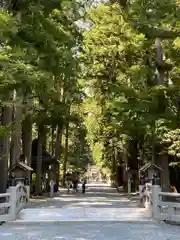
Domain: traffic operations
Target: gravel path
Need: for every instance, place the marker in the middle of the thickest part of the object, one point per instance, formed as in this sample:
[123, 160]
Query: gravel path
[93, 231]
[101, 214]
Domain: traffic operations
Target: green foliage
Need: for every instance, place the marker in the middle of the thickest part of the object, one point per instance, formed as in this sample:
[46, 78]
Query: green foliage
[172, 141]
[4, 131]
[111, 82]
[39, 64]
[120, 69]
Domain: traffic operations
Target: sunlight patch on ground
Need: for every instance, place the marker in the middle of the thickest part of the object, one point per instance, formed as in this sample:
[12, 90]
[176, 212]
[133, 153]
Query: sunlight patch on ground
[82, 214]
[89, 199]
[92, 203]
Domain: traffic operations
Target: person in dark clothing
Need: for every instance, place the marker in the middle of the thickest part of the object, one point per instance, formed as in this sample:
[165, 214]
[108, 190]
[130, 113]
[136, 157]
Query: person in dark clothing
[75, 185]
[55, 188]
[84, 186]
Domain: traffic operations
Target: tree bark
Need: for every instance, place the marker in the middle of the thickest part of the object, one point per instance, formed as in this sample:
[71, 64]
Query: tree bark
[58, 143]
[16, 135]
[51, 145]
[125, 168]
[153, 143]
[113, 157]
[161, 80]
[65, 152]
[27, 139]
[58, 152]
[39, 165]
[165, 179]
[4, 149]
[133, 161]
[27, 142]
[160, 62]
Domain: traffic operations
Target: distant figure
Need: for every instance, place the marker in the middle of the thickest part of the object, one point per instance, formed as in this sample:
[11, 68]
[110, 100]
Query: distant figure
[55, 188]
[84, 186]
[68, 185]
[68, 181]
[75, 185]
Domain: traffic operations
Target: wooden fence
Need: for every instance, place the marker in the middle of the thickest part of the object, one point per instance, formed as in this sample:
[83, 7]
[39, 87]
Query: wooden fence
[13, 201]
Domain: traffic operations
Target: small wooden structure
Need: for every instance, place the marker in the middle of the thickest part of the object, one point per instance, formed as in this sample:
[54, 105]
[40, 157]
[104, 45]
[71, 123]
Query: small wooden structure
[151, 169]
[20, 171]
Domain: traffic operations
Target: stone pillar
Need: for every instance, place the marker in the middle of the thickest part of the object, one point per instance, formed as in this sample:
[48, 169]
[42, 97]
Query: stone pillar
[129, 185]
[28, 191]
[13, 199]
[155, 199]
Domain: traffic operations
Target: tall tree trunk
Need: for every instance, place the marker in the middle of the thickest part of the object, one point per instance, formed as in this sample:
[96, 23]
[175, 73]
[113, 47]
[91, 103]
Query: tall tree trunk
[51, 145]
[4, 149]
[42, 140]
[114, 167]
[160, 62]
[65, 152]
[153, 143]
[119, 169]
[125, 167]
[27, 129]
[27, 141]
[133, 161]
[165, 176]
[58, 152]
[16, 135]
[161, 80]
[113, 157]
[39, 164]
[58, 142]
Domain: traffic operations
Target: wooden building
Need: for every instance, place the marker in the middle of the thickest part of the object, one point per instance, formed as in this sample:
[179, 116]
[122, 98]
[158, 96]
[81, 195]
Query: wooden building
[20, 171]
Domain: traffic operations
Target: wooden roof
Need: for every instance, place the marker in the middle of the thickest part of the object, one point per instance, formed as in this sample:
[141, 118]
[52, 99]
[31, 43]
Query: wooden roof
[149, 165]
[22, 165]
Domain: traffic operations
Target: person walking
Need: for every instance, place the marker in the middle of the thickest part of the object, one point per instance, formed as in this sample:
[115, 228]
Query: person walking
[75, 185]
[68, 181]
[84, 186]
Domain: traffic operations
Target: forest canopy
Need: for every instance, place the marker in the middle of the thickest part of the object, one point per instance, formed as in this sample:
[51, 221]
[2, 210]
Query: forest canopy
[93, 83]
